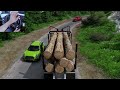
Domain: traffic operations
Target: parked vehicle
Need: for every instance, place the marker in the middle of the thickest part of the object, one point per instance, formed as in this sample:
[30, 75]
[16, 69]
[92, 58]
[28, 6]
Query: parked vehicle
[77, 18]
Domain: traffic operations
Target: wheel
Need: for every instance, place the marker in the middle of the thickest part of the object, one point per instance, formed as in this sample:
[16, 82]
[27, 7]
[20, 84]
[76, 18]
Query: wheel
[38, 59]
[70, 75]
[22, 59]
[48, 76]
[40, 56]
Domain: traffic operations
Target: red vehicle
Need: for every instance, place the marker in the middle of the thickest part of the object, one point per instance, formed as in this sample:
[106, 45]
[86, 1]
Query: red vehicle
[77, 18]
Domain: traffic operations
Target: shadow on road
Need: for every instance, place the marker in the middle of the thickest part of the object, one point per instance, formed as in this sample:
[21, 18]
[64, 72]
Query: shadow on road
[35, 71]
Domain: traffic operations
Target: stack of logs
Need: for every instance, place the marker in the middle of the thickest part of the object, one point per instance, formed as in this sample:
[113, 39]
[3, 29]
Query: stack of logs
[59, 53]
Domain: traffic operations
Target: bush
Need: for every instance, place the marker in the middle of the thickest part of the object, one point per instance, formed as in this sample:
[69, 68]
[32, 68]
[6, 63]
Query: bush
[96, 37]
[116, 58]
[96, 18]
[1, 44]
[115, 46]
[116, 37]
[111, 45]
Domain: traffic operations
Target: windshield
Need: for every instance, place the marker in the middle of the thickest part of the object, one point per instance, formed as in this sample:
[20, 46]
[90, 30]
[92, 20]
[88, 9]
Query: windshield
[33, 48]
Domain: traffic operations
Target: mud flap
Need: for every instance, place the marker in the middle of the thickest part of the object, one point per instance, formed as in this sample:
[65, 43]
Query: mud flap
[70, 75]
[48, 75]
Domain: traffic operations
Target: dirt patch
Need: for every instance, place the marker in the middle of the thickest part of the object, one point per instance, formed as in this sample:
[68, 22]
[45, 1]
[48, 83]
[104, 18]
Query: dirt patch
[15, 48]
[86, 70]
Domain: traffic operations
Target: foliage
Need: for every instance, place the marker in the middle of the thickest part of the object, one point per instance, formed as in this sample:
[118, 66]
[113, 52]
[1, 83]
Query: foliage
[105, 53]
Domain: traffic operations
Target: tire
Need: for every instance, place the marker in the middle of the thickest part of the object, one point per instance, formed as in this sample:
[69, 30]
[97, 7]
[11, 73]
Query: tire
[70, 76]
[40, 57]
[48, 76]
[22, 59]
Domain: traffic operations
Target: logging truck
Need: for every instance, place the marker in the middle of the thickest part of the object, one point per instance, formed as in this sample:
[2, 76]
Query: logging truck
[59, 57]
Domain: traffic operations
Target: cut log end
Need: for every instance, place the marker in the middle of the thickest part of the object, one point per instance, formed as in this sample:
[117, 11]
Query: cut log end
[70, 66]
[70, 55]
[64, 62]
[59, 69]
[49, 67]
[58, 55]
[47, 54]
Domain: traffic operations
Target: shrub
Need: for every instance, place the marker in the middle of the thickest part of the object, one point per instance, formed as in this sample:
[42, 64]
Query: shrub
[115, 46]
[96, 37]
[95, 18]
[116, 37]
[116, 58]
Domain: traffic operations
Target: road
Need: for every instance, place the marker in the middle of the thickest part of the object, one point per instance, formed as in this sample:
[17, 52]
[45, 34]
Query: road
[32, 70]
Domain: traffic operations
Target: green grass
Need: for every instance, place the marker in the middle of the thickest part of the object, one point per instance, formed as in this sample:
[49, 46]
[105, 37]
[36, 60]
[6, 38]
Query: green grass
[104, 54]
[42, 25]
[1, 43]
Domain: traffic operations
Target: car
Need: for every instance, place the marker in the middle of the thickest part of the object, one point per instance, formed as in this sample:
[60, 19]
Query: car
[34, 51]
[77, 18]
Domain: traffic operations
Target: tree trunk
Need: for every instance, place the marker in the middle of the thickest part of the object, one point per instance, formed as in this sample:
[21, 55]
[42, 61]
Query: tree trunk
[64, 62]
[49, 67]
[58, 68]
[70, 66]
[49, 50]
[59, 51]
[70, 54]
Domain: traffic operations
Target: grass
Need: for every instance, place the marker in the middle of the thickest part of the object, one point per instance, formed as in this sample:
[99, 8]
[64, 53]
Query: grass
[42, 25]
[105, 53]
[1, 44]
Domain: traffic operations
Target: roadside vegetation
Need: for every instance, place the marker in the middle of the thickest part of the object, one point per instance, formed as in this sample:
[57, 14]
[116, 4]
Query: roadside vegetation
[39, 19]
[100, 43]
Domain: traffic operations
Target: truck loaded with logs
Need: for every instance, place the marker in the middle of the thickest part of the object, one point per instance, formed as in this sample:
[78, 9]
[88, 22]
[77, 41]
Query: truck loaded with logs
[59, 57]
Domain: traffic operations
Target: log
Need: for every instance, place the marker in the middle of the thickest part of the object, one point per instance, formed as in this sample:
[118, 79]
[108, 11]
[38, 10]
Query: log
[59, 51]
[70, 66]
[70, 54]
[49, 67]
[49, 50]
[64, 62]
[58, 68]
